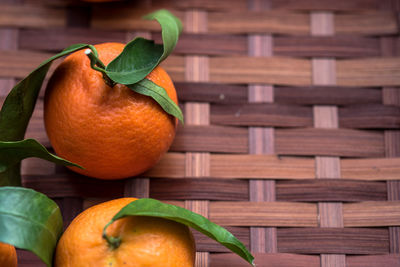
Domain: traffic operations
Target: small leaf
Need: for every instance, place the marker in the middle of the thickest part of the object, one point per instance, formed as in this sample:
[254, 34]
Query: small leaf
[155, 208]
[13, 152]
[18, 106]
[141, 56]
[171, 28]
[136, 61]
[147, 87]
[29, 220]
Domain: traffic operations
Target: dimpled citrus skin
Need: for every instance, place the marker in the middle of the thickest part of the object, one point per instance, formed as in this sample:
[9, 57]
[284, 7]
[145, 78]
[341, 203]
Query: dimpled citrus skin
[112, 132]
[145, 241]
[8, 255]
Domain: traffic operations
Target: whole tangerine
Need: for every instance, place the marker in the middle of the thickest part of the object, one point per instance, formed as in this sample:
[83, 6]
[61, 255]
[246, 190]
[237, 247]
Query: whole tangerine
[145, 241]
[8, 255]
[111, 132]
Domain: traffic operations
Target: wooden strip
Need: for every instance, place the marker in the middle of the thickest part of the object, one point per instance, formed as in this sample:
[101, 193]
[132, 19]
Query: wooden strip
[259, 22]
[18, 63]
[265, 260]
[372, 214]
[171, 165]
[78, 16]
[192, 189]
[370, 116]
[261, 139]
[33, 16]
[211, 92]
[36, 127]
[326, 46]
[333, 260]
[6, 84]
[9, 39]
[137, 187]
[197, 164]
[28, 259]
[197, 114]
[324, 73]
[210, 4]
[74, 185]
[261, 166]
[237, 5]
[263, 214]
[329, 142]
[206, 244]
[325, 117]
[273, 70]
[244, 69]
[125, 18]
[211, 139]
[70, 208]
[196, 67]
[371, 169]
[327, 167]
[327, 95]
[368, 72]
[330, 190]
[55, 40]
[368, 23]
[175, 66]
[371, 23]
[209, 44]
[392, 143]
[330, 215]
[261, 114]
[391, 97]
[316, 5]
[36, 166]
[393, 188]
[333, 240]
[392, 260]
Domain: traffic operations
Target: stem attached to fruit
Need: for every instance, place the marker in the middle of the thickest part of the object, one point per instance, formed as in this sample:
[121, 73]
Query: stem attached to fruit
[96, 64]
[113, 242]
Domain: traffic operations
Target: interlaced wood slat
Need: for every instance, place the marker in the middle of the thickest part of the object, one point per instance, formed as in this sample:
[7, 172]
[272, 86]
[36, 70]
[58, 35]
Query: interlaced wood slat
[292, 128]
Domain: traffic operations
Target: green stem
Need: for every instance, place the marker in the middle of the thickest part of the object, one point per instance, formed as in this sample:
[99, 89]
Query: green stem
[96, 64]
[11, 176]
[113, 242]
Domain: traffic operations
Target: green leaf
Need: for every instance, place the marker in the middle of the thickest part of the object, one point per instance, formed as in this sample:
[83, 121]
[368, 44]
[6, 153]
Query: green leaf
[171, 28]
[18, 106]
[136, 61]
[155, 208]
[141, 56]
[15, 114]
[13, 152]
[147, 87]
[29, 220]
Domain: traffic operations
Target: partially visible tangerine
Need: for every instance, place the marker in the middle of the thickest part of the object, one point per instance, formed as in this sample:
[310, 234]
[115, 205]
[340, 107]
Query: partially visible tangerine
[112, 132]
[145, 241]
[8, 255]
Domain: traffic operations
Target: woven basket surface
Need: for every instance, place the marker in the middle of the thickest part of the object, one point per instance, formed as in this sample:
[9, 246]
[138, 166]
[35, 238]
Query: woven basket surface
[292, 121]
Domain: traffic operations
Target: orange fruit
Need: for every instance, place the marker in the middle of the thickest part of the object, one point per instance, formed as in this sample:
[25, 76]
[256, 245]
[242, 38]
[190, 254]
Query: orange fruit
[8, 255]
[145, 241]
[112, 132]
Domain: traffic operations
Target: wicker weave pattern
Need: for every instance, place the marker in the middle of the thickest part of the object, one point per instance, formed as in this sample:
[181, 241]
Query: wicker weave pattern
[292, 113]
